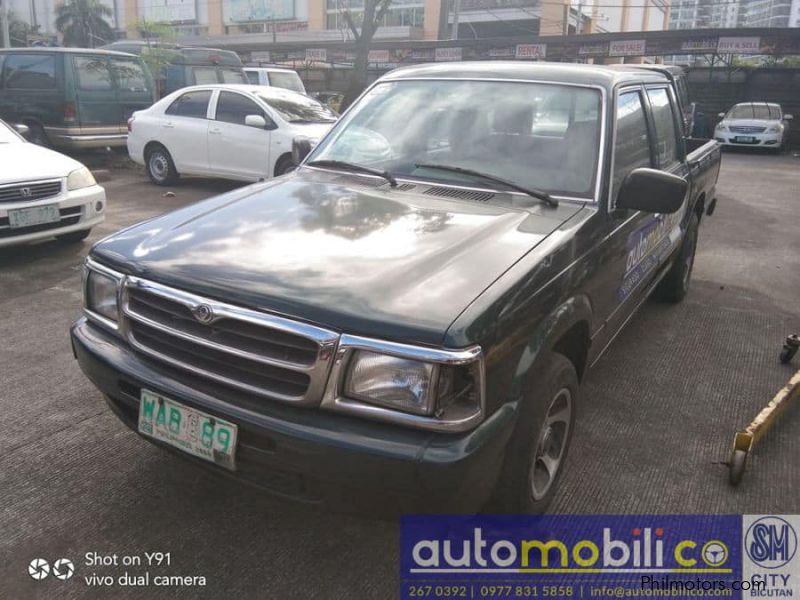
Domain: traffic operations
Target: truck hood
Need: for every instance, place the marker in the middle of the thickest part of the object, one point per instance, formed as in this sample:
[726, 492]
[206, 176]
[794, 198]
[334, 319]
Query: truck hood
[24, 161]
[334, 250]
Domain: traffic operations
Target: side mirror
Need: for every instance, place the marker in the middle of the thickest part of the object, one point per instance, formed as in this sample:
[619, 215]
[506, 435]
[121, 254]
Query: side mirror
[23, 130]
[301, 147]
[652, 191]
[788, 117]
[256, 121]
[721, 115]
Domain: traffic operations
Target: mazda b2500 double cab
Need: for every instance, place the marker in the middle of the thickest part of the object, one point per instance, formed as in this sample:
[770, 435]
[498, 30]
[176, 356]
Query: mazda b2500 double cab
[404, 321]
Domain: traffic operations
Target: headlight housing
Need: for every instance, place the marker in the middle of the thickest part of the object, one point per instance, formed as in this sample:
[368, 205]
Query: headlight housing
[101, 294]
[721, 127]
[80, 178]
[426, 388]
[775, 129]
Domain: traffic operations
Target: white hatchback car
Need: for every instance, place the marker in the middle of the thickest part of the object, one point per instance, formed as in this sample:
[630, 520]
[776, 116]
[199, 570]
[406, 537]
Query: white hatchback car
[242, 132]
[753, 124]
[44, 194]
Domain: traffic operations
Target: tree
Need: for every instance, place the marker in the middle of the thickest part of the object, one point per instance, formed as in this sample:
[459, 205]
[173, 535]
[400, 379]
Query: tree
[18, 31]
[159, 50]
[374, 11]
[83, 23]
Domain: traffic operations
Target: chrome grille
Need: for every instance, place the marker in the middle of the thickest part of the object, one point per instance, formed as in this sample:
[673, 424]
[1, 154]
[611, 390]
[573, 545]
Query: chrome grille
[747, 129]
[30, 191]
[240, 348]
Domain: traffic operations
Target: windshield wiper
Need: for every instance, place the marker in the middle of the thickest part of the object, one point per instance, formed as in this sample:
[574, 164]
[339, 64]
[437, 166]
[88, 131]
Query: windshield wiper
[348, 166]
[533, 193]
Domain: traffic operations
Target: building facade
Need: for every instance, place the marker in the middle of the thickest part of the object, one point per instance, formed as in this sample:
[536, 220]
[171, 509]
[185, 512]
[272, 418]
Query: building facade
[699, 14]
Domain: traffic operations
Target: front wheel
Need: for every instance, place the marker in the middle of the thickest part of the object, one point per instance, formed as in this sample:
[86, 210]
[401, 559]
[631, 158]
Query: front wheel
[160, 168]
[538, 447]
[675, 285]
[284, 165]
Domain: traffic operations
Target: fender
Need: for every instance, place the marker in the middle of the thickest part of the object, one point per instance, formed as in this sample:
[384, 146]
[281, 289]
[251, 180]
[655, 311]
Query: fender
[575, 310]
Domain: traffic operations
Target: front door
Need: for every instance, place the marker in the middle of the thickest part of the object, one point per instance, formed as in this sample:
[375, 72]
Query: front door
[236, 149]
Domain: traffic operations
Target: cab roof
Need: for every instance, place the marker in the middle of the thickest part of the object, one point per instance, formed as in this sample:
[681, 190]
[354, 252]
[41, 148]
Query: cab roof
[59, 50]
[568, 73]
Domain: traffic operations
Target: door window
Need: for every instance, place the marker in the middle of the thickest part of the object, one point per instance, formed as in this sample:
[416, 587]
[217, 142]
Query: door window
[30, 71]
[252, 77]
[631, 145]
[93, 74]
[191, 104]
[664, 120]
[205, 75]
[130, 75]
[233, 108]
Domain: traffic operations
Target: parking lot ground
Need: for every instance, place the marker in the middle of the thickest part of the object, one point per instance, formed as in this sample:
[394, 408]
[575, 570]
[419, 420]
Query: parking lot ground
[657, 417]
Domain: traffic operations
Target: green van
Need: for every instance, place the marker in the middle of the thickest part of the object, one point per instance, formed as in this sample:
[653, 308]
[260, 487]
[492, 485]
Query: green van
[73, 97]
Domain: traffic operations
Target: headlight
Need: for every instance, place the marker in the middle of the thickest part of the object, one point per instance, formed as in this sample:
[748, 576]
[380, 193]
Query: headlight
[101, 295]
[398, 383]
[775, 129]
[80, 178]
[721, 127]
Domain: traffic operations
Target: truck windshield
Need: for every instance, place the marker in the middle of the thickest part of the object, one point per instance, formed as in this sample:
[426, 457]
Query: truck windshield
[542, 136]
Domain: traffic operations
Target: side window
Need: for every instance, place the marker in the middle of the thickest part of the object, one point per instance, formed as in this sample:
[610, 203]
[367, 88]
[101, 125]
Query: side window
[191, 104]
[664, 120]
[93, 74]
[233, 108]
[205, 75]
[130, 75]
[631, 146]
[30, 71]
[252, 77]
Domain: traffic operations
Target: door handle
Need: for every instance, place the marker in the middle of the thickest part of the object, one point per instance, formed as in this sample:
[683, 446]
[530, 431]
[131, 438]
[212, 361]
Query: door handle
[168, 125]
[215, 131]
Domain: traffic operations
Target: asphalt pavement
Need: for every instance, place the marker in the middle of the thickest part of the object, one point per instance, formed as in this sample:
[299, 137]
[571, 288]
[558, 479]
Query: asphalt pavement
[656, 420]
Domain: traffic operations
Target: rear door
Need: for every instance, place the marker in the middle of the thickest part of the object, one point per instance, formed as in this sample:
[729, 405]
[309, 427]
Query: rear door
[96, 95]
[134, 87]
[184, 131]
[31, 87]
[237, 149]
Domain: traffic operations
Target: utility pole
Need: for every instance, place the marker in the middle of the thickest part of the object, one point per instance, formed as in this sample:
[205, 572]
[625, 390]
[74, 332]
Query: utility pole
[456, 10]
[4, 18]
[565, 30]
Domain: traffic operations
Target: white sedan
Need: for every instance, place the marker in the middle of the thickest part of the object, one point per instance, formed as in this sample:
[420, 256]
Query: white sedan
[241, 132]
[44, 194]
[754, 124]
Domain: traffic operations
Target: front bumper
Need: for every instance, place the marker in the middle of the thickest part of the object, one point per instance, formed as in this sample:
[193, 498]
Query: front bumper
[311, 456]
[78, 208]
[768, 140]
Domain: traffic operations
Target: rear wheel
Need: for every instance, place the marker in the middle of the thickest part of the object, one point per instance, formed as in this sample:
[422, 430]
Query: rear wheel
[74, 237]
[284, 165]
[36, 135]
[675, 285]
[160, 168]
[538, 447]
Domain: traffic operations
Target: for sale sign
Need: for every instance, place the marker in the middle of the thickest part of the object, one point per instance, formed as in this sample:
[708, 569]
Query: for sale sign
[316, 55]
[445, 54]
[535, 51]
[627, 48]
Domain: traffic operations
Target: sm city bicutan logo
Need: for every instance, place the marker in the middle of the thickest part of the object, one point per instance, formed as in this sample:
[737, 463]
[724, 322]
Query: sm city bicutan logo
[770, 542]
[643, 550]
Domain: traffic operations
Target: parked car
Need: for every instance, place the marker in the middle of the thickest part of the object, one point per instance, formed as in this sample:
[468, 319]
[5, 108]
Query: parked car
[754, 124]
[188, 65]
[240, 132]
[332, 100]
[280, 77]
[407, 332]
[44, 193]
[73, 97]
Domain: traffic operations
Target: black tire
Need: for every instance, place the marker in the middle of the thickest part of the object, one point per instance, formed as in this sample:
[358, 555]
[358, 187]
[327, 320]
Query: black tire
[736, 468]
[74, 237]
[159, 166]
[526, 485]
[37, 135]
[284, 165]
[675, 285]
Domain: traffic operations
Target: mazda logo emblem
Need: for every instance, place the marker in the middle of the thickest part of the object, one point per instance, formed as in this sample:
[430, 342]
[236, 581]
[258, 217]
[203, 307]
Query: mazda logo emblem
[203, 313]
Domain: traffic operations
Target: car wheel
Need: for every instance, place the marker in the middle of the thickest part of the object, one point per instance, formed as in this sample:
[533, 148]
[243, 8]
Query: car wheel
[74, 237]
[160, 168]
[675, 285]
[36, 135]
[284, 165]
[538, 447]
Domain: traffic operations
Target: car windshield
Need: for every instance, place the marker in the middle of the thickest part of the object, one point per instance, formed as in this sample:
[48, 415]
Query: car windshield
[755, 111]
[286, 80]
[299, 109]
[8, 136]
[541, 136]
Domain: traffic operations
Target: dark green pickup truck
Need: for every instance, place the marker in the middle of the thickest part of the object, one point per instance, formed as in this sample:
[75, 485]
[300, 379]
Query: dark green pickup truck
[404, 321]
